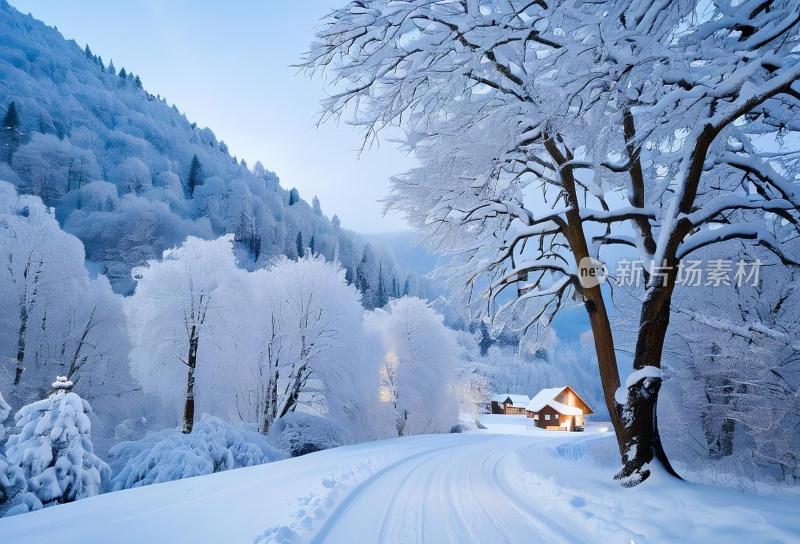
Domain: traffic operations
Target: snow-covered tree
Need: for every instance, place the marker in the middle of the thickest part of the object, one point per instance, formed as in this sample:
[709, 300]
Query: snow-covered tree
[52, 444]
[9, 131]
[55, 318]
[177, 321]
[733, 372]
[550, 133]
[418, 370]
[312, 355]
[51, 167]
[195, 176]
[133, 175]
[14, 495]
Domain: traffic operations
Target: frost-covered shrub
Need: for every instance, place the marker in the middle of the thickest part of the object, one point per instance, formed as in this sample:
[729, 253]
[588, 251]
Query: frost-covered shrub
[212, 446]
[299, 434]
[52, 444]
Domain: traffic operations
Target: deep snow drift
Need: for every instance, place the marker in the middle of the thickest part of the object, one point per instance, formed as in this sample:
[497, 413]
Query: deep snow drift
[510, 483]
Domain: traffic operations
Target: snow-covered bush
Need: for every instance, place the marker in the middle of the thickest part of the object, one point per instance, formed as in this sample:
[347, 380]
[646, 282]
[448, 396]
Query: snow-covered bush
[212, 446]
[299, 434]
[52, 444]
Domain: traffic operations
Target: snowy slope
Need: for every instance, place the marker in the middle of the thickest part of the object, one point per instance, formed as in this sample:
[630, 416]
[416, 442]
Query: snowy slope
[509, 484]
[115, 160]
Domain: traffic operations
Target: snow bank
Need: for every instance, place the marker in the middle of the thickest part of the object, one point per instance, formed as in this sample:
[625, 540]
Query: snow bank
[298, 434]
[213, 446]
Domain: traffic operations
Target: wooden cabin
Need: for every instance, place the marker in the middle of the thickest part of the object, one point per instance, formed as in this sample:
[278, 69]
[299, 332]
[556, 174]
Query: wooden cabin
[558, 409]
[510, 404]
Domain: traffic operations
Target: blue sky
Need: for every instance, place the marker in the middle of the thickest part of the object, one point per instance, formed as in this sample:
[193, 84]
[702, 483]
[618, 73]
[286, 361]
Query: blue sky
[226, 65]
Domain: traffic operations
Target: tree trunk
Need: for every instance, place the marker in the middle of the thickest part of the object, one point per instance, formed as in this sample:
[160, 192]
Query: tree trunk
[606, 355]
[23, 326]
[593, 295]
[641, 440]
[188, 408]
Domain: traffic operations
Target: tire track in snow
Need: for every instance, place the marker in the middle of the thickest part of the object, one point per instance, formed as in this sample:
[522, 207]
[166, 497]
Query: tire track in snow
[353, 497]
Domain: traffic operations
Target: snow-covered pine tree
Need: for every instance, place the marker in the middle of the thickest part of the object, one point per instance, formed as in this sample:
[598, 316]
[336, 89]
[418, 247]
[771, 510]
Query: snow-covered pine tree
[195, 169]
[10, 132]
[14, 495]
[316, 206]
[300, 249]
[52, 444]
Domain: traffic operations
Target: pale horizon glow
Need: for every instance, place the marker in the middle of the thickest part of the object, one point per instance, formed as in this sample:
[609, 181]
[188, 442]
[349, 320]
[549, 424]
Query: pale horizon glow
[227, 67]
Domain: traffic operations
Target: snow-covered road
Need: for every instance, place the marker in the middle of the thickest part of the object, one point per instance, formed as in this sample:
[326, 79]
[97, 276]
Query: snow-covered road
[458, 493]
[523, 487]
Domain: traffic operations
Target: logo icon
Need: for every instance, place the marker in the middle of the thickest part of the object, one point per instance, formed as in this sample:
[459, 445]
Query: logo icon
[591, 272]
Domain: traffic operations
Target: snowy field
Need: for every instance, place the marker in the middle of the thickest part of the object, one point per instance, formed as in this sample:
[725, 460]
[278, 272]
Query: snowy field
[510, 483]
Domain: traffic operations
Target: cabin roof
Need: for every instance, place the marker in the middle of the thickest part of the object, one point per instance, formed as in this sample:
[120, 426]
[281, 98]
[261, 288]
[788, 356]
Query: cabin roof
[564, 409]
[546, 397]
[516, 400]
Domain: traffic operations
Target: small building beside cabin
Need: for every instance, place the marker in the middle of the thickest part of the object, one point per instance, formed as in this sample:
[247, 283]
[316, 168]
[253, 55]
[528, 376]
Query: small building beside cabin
[558, 409]
[510, 404]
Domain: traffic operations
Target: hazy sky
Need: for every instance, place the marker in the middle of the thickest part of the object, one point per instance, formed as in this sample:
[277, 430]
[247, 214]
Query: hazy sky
[226, 65]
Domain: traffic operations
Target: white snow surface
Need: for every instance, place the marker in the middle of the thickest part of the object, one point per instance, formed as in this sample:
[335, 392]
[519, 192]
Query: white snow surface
[511, 483]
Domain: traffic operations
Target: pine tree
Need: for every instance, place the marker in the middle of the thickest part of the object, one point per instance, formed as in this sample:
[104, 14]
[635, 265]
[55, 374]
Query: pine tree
[300, 250]
[88, 52]
[407, 288]
[195, 172]
[381, 299]
[294, 196]
[10, 132]
[123, 74]
[316, 206]
[137, 82]
[367, 278]
[311, 245]
[336, 222]
[111, 69]
[52, 444]
[14, 495]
